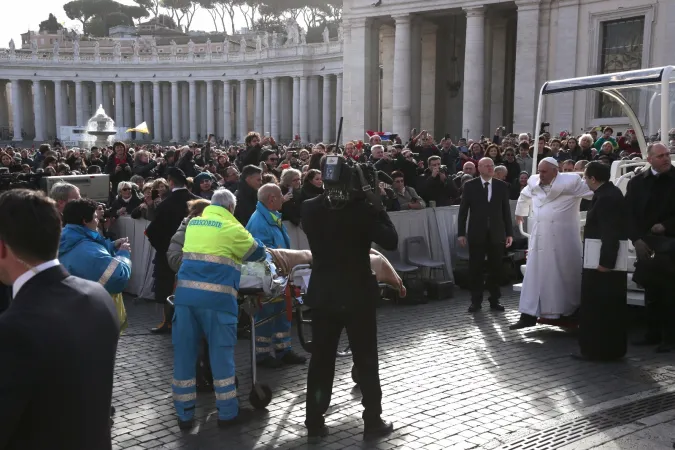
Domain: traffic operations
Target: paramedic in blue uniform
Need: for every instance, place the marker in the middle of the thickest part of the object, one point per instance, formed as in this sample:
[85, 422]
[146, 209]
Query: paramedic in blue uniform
[273, 339]
[205, 302]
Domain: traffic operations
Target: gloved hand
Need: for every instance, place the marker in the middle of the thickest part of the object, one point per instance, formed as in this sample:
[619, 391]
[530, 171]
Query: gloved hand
[642, 250]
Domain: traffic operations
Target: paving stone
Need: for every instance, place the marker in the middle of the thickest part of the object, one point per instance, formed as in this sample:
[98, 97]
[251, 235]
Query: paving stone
[449, 380]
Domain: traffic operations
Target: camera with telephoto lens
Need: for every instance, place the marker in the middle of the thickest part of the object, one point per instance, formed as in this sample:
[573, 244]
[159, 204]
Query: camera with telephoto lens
[345, 181]
[444, 169]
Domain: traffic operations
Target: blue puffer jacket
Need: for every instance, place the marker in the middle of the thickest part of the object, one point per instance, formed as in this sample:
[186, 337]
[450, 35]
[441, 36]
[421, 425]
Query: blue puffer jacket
[267, 226]
[87, 254]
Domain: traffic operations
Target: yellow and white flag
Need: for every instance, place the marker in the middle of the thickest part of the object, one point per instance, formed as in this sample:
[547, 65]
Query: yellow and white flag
[142, 128]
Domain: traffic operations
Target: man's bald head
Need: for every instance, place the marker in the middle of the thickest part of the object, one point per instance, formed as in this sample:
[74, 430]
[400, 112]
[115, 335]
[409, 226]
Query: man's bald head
[658, 156]
[270, 196]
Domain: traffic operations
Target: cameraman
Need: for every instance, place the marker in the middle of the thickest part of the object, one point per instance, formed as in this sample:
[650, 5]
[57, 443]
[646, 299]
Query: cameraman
[340, 239]
[437, 185]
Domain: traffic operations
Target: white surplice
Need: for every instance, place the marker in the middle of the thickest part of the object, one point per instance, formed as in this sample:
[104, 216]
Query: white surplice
[552, 284]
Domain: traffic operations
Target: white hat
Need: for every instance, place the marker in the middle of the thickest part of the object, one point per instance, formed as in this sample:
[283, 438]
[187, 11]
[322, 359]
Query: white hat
[551, 161]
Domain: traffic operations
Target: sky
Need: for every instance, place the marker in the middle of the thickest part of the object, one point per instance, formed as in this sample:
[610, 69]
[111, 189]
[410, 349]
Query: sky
[26, 15]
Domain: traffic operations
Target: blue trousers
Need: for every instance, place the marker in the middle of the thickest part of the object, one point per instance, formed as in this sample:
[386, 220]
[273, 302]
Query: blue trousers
[220, 328]
[274, 335]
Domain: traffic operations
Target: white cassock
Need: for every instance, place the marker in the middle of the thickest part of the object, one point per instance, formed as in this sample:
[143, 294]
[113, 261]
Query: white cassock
[552, 284]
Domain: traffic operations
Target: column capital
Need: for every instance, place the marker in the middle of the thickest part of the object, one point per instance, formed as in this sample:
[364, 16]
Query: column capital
[528, 4]
[339, 74]
[402, 18]
[474, 11]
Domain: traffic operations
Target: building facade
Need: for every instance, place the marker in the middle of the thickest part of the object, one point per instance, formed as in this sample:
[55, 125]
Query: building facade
[459, 68]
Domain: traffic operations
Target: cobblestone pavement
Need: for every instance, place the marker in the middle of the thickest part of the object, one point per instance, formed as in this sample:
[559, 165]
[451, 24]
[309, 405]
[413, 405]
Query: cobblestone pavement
[449, 380]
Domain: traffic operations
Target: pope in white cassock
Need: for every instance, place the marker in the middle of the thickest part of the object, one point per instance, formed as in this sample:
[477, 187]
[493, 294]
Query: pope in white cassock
[552, 285]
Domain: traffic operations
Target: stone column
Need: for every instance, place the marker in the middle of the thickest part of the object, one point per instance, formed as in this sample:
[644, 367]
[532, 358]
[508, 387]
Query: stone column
[227, 111]
[4, 105]
[526, 89]
[119, 105]
[314, 100]
[17, 109]
[193, 110]
[267, 119]
[210, 110]
[127, 106]
[79, 117]
[566, 64]
[338, 104]
[258, 122]
[156, 111]
[243, 110]
[427, 85]
[275, 107]
[167, 106]
[416, 74]
[474, 72]
[148, 114]
[184, 132]
[99, 94]
[217, 91]
[38, 95]
[107, 103]
[296, 106]
[49, 108]
[304, 109]
[58, 105]
[327, 108]
[402, 76]
[497, 73]
[175, 125]
[201, 107]
[138, 106]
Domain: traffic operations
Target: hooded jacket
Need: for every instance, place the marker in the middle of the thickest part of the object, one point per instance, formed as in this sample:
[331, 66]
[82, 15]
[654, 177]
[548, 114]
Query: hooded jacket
[87, 254]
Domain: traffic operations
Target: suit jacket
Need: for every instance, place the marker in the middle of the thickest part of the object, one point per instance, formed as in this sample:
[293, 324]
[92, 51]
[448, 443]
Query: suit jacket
[340, 241]
[491, 218]
[57, 346]
[651, 200]
[606, 220]
[168, 217]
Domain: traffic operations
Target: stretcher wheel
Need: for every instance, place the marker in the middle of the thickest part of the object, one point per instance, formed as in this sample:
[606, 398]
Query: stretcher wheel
[355, 375]
[261, 396]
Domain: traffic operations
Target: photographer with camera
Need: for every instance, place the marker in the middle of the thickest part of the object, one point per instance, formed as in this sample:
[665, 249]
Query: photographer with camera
[341, 225]
[119, 164]
[437, 185]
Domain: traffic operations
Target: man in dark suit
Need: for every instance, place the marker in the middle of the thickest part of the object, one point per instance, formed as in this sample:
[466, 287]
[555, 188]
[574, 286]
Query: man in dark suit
[57, 339]
[650, 197]
[490, 231]
[343, 293]
[170, 213]
[602, 318]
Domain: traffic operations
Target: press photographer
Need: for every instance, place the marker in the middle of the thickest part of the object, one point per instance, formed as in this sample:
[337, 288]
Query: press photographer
[341, 225]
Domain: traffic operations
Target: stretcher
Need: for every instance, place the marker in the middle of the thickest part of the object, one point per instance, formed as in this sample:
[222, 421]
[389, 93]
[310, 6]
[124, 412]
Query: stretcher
[261, 284]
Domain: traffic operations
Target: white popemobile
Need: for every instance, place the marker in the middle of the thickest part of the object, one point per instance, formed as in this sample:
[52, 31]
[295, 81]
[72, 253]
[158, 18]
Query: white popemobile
[653, 91]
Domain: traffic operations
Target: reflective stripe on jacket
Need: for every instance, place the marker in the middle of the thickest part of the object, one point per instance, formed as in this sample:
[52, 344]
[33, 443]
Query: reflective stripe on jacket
[215, 246]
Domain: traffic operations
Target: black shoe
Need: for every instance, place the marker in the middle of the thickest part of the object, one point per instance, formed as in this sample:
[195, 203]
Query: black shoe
[496, 306]
[314, 435]
[647, 341]
[475, 307]
[665, 348]
[270, 362]
[525, 321]
[186, 424]
[580, 357]
[291, 358]
[112, 411]
[378, 429]
[162, 328]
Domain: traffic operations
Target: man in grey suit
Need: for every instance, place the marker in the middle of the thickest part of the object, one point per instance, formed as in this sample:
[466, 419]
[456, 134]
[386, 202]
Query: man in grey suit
[58, 337]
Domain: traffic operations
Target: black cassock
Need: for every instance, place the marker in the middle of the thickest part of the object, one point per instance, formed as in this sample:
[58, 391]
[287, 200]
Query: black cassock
[602, 325]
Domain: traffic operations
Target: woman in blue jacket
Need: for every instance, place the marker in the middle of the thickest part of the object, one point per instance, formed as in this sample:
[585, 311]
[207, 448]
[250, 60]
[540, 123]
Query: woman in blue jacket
[87, 254]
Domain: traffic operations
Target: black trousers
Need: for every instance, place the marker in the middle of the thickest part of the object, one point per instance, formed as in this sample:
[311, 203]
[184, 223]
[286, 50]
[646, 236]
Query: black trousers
[362, 333]
[164, 286]
[478, 251]
[660, 310]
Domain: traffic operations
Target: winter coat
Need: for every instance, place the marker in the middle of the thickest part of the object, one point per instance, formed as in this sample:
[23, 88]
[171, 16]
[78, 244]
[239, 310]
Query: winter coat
[175, 252]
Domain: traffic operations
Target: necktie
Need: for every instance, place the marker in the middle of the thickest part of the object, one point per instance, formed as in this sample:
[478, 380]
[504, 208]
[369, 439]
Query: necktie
[486, 186]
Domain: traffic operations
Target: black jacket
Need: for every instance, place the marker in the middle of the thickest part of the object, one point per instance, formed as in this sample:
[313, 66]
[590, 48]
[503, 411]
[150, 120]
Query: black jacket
[606, 220]
[122, 175]
[433, 189]
[168, 217]
[251, 156]
[247, 200]
[57, 346]
[145, 170]
[340, 241]
[491, 218]
[651, 200]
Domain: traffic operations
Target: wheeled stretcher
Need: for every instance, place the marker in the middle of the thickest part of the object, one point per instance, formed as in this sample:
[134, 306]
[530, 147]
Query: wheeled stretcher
[261, 284]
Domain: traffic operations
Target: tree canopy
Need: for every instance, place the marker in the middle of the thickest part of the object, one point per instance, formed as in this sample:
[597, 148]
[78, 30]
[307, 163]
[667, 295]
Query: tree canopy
[97, 16]
[50, 25]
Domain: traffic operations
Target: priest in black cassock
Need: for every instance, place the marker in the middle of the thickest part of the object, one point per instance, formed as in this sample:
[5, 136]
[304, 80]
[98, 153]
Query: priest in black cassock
[602, 318]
